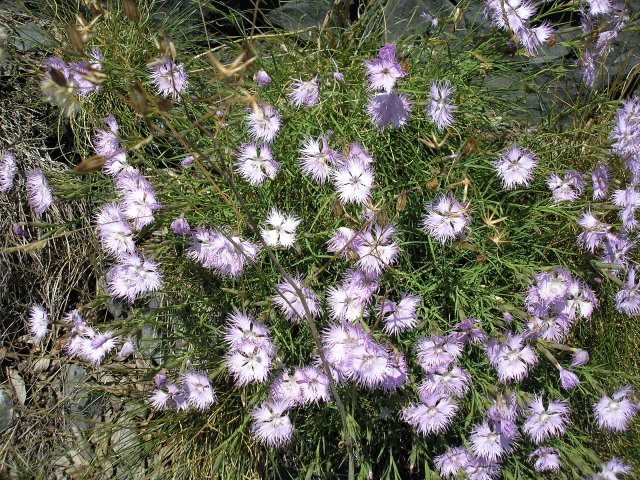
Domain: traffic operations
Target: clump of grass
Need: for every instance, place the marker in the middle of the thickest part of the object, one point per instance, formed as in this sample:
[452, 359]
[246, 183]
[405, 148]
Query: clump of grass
[482, 274]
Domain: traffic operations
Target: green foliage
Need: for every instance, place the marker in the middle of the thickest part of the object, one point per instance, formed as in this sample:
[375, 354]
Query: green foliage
[513, 234]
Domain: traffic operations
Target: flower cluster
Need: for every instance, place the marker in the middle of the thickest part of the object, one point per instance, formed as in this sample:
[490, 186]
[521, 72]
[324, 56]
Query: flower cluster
[515, 16]
[354, 355]
[225, 254]
[62, 83]
[107, 145]
[250, 349]
[192, 391]
[86, 343]
[389, 107]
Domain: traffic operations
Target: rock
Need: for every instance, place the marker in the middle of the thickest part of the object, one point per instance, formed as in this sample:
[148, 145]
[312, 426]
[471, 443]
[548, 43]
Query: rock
[6, 411]
[31, 37]
[84, 405]
[300, 14]
[404, 17]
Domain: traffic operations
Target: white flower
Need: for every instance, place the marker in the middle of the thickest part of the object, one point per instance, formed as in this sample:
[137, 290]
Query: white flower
[282, 231]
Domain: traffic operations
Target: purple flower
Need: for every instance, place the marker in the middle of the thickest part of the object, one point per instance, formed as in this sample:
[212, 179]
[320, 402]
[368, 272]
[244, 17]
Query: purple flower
[601, 178]
[579, 301]
[543, 423]
[314, 385]
[271, 424]
[478, 468]
[551, 329]
[513, 14]
[533, 38]
[262, 78]
[249, 362]
[490, 441]
[611, 470]
[384, 70]
[242, 329]
[470, 329]
[515, 167]
[85, 75]
[628, 299]
[389, 108]
[568, 380]
[614, 413]
[40, 195]
[546, 459]
[504, 408]
[18, 230]
[115, 232]
[550, 287]
[264, 122]
[58, 86]
[226, 255]
[317, 159]
[440, 108]
[180, 226]
[255, 164]
[132, 277]
[401, 316]
[451, 380]
[38, 322]
[353, 181]
[186, 161]
[432, 415]
[280, 230]
[377, 250]
[446, 218]
[438, 351]
[590, 70]
[305, 93]
[128, 348]
[626, 130]
[8, 171]
[339, 77]
[594, 231]
[568, 188]
[368, 363]
[168, 77]
[347, 302]
[198, 389]
[345, 241]
[512, 359]
[358, 153]
[451, 461]
[90, 345]
[287, 388]
[629, 199]
[107, 145]
[616, 250]
[580, 357]
[291, 304]
[138, 198]
[599, 7]
[339, 341]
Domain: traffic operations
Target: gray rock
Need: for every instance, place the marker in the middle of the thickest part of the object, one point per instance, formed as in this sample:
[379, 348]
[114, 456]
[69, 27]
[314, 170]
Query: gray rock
[6, 411]
[404, 17]
[31, 37]
[300, 14]
[83, 404]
